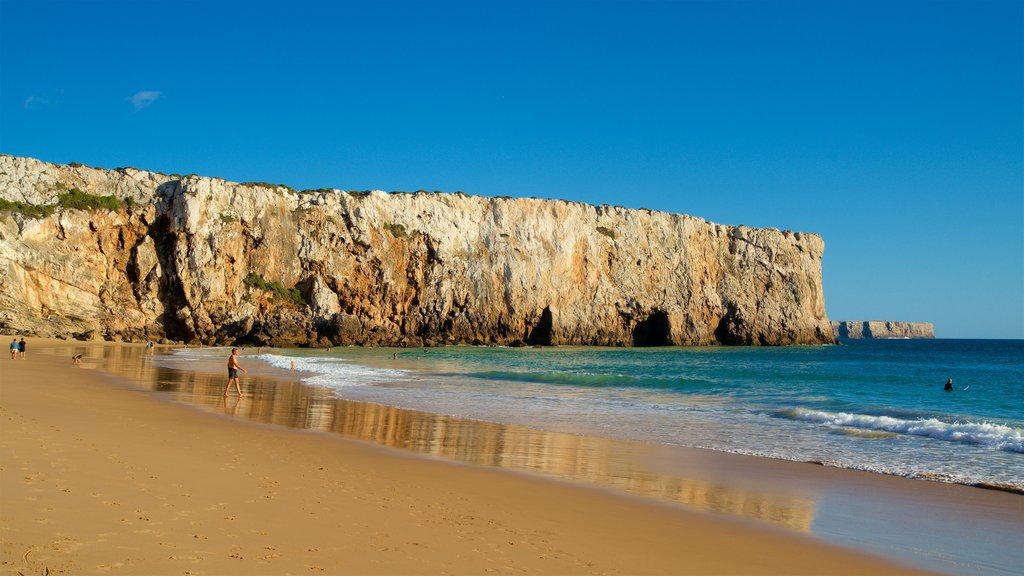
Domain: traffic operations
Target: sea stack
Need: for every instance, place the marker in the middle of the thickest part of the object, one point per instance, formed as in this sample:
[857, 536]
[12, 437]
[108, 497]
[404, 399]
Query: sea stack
[127, 254]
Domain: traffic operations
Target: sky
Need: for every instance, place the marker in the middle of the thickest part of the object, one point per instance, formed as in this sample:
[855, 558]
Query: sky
[893, 129]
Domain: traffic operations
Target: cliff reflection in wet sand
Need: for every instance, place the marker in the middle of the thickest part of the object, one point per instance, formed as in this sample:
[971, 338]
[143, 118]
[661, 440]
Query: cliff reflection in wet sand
[599, 461]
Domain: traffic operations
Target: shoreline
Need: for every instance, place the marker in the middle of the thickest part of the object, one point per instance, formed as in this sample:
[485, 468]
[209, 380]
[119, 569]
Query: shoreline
[642, 510]
[299, 376]
[377, 362]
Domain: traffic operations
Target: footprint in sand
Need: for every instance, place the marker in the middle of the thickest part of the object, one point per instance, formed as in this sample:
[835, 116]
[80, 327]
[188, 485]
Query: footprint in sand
[65, 545]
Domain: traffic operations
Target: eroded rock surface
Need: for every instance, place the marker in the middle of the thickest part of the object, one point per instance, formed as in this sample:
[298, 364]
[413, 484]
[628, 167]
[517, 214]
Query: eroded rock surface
[202, 259]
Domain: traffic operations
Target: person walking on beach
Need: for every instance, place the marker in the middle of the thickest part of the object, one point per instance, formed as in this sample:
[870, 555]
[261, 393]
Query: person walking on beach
[21, 348]
[14, 348]
[233, 368]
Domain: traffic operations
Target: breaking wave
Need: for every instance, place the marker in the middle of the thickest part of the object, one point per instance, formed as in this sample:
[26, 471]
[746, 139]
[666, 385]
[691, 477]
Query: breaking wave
[334, 372]
[991, 435]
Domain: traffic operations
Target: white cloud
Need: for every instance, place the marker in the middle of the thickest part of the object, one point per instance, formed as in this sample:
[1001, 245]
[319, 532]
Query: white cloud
[43, 99]
[144, 98]
[35, 101]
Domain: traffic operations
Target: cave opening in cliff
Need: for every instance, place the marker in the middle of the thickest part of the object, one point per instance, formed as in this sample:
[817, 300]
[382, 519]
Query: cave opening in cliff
[541, 333]
[656, 330]
[170, 291]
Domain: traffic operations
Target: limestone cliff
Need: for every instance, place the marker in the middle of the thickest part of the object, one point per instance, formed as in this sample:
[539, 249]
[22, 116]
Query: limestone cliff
[202, 259]
[882, 329]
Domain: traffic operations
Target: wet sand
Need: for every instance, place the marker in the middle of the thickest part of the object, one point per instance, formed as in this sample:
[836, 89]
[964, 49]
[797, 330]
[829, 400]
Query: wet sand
[103, 474]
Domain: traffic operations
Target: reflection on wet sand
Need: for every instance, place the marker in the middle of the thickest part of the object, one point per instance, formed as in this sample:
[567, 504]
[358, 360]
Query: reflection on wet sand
[603, 462]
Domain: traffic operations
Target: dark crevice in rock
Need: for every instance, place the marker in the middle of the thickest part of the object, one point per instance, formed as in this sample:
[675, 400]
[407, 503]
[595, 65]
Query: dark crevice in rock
[656, 330]
[169, 290]
[541, 333]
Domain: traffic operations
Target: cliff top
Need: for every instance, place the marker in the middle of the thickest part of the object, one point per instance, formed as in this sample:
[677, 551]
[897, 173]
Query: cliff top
[35, 182]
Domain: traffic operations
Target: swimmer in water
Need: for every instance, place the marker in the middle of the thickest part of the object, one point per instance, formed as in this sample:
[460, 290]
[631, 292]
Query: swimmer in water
[949, 385]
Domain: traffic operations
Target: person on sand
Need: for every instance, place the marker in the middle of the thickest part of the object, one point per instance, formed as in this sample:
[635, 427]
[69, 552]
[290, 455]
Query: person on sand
[76, 359]
[21, 348]
[233, 368]
[14, 348]
[949, 385]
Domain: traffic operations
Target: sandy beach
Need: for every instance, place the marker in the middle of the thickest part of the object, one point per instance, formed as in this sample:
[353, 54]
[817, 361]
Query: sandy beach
[101, 477]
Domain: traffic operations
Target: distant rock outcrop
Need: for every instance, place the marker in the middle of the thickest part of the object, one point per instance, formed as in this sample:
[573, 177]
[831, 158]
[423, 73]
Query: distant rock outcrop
[202, 259]
[881, 329]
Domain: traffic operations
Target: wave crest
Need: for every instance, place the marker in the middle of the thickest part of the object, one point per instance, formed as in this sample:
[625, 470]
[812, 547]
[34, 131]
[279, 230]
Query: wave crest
[334, 372]
[998, 436]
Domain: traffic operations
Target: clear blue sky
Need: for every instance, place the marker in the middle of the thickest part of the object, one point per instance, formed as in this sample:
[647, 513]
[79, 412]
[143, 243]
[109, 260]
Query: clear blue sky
[893, 129]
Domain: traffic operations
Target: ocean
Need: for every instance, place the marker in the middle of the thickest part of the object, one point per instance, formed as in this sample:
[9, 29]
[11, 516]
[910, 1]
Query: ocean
[875, 405]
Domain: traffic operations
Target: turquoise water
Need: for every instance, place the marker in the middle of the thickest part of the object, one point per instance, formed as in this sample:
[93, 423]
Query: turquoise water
[875, 405]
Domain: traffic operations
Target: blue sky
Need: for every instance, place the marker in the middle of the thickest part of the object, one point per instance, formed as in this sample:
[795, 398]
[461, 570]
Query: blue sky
[893, 129]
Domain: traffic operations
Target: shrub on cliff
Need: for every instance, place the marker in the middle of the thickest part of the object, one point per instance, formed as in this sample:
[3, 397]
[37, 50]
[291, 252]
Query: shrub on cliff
[30, 210]
[293, 295]
[270, 185]
[397, 230]
[78, 200]
[69, 198]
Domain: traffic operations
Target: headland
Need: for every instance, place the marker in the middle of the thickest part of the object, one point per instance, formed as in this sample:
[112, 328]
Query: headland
[882, 329]
[132, 255]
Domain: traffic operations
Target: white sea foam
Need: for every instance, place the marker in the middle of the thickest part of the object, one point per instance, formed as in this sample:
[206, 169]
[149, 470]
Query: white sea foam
[999, 436]
[335, 372]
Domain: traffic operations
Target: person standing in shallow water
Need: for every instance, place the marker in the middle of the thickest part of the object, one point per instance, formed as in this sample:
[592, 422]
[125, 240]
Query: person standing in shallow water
[233, 368]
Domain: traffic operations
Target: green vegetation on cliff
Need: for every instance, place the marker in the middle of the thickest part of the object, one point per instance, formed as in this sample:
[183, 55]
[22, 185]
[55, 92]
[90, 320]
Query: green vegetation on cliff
[78, 200]
[397, 230]
[30, 210]
[72, 198]
[293, 295]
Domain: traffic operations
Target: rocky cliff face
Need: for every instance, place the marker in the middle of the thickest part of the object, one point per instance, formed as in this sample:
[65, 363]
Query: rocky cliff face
[882, 329]
[202, 259]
